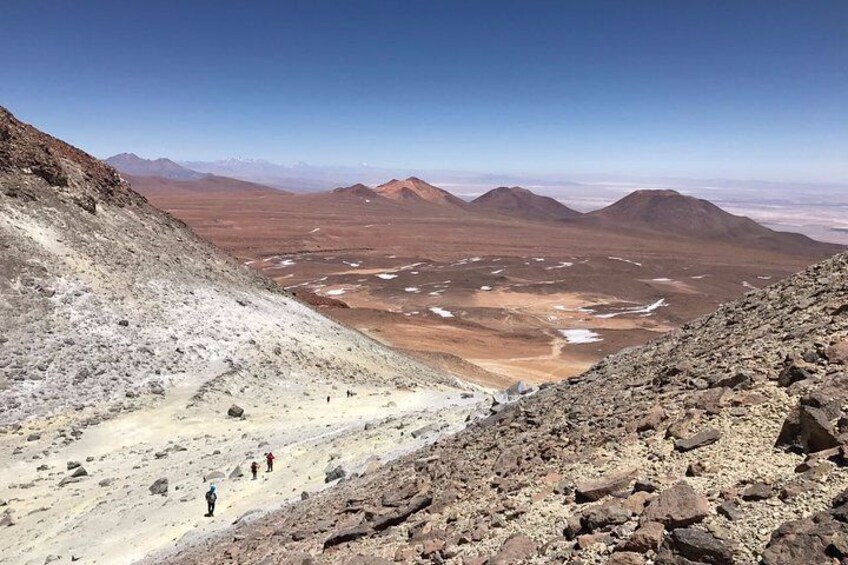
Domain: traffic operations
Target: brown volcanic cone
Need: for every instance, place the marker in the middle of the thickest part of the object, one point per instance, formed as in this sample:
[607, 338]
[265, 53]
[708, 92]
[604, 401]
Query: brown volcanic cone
[520, 202]
[668, 211]
[359, 190]
[415, 189]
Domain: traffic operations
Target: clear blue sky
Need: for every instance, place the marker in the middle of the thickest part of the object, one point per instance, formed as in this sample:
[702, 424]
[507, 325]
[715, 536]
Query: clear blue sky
[738, 89]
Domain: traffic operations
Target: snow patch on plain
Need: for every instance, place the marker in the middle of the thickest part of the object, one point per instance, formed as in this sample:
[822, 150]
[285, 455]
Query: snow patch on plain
[580, 336]
[625, 261]
[441, 312]
[643, 310]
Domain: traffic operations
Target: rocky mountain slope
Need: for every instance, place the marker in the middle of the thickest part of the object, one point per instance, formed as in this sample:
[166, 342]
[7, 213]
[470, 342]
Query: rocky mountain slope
[722, 442]
[132, 164]
[134, 354]
[85, 255]
[522, 203]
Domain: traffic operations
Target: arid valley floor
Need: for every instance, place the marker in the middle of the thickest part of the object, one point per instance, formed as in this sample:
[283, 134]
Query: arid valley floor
[529, 300]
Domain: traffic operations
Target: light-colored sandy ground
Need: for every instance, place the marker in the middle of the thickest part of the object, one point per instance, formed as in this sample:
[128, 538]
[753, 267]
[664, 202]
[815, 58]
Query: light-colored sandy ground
[122, 522]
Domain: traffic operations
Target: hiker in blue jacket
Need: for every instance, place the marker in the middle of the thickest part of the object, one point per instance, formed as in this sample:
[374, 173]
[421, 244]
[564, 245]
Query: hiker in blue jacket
[211, 498]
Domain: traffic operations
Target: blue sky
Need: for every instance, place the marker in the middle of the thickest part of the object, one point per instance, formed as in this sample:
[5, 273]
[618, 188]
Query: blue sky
[697, 88]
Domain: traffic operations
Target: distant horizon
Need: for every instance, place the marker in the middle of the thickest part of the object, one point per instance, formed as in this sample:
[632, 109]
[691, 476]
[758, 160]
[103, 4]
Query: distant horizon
[553, 177]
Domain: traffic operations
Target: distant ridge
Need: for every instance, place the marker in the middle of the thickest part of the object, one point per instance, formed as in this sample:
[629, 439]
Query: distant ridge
[149, 185]
[415, 189]
[520, 202]
[132, 164]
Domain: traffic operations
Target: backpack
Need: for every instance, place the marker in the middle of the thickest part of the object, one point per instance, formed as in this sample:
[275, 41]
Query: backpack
[211, 496]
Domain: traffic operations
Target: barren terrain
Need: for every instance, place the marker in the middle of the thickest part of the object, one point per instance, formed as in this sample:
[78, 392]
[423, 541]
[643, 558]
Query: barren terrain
[529, 300]
[139, 365]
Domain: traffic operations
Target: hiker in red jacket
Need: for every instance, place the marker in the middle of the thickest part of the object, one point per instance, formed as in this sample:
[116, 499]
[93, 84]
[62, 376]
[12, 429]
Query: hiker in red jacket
[269, 459]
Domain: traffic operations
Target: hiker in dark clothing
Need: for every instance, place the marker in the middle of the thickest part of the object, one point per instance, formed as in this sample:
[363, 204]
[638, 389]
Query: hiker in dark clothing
[269, 460]
[254, 468]
[328, 400]
[211, 498]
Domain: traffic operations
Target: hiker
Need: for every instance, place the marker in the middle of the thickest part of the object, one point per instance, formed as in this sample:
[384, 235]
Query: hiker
[269, 459]
[254, 468]
[328, 400]
[211, 498]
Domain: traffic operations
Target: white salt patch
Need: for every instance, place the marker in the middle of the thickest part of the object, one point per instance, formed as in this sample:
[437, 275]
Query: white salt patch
[386, 276]
[625, 261]
[497, 272]
[698, 277]
[352, 264]
[435, 293]
[285, 263]
[538, 259]
[441, 312]
[411, 289]
[336, 292]
[485, 288]
[661, 280]
[580, 336]
[562, 265]
[646, 310]
[315, 230]
[762, 278]
[749, 286]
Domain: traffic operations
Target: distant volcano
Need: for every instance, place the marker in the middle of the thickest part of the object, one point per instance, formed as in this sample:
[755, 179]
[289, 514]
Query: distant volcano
[520, 202]
[132, 164]
[416, 189]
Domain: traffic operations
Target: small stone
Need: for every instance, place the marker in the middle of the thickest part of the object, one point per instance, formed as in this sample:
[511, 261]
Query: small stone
[160, 486]
[235, 411]
[334, 474]
[647, 537]
[625, 558]
[604, 486]
[701, 439]
[730, 510]
[758, 491]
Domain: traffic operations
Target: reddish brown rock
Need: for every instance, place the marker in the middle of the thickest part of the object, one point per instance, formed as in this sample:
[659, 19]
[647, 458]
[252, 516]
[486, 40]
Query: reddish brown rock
[694, 546]
[701, 439]
[625, 558]
[837, 353]
[515, 549]
[648, 537]
[604, 486]
[678, 506]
